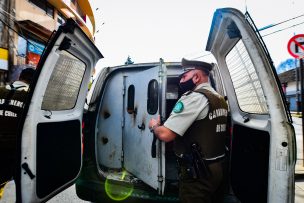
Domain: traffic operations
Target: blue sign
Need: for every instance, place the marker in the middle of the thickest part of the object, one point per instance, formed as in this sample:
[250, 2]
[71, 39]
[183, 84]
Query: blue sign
[35, 47]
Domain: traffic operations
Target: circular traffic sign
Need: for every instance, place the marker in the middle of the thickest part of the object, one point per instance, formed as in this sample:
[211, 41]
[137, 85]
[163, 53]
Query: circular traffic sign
[296, 46]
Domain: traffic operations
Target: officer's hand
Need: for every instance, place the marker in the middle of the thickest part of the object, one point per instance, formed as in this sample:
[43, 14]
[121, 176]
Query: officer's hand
[152, 123]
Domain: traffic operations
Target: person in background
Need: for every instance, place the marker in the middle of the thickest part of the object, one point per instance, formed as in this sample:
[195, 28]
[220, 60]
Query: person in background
[12, 100]
[197, 125]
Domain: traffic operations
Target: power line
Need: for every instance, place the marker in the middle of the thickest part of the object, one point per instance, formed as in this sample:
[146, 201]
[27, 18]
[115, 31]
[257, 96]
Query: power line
[21, 34]
[262, 36]
[283, 29]
[7, 13]
[9, 27]
[273, 25]
[13, 18]
[202, 56]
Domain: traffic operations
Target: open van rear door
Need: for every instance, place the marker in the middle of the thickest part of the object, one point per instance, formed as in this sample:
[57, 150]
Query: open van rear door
[50, 136]
[144, 154]
[263, 148]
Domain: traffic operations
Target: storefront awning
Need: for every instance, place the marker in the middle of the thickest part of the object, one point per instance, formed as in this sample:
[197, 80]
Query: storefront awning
[32, 29]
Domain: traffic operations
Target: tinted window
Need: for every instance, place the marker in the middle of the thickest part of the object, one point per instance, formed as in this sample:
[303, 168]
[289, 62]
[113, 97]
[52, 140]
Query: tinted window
[48, 8]
[245, 80]
[152, 103]
[131, 98]
[40, 3]
[64, 84]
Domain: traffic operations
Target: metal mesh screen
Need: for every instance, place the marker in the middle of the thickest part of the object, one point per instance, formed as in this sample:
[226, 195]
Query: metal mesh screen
[247, 86]
[64, 85]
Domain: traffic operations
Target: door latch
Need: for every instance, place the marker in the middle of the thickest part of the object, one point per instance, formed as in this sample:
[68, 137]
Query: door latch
[28, 170]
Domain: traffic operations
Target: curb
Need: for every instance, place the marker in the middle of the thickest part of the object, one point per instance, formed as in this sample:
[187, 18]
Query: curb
[299, 176]
[299, 171]
[294, 114]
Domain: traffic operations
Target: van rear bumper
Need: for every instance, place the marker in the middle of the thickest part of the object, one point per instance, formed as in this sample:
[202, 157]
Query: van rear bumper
[95, 192]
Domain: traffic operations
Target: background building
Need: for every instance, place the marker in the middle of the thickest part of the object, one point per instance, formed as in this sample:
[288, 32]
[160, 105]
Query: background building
[32, 23]
[290, 81]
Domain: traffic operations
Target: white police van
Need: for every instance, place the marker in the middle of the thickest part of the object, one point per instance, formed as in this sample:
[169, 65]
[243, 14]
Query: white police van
[117, 158]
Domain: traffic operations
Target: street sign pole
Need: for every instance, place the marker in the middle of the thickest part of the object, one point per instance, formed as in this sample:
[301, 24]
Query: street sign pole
[298, 95]
[302, 99]
[296, 49]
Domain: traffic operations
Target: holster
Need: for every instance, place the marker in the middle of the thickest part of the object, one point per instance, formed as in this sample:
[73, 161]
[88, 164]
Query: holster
[192, 165]
[186, 168]
[200, 164]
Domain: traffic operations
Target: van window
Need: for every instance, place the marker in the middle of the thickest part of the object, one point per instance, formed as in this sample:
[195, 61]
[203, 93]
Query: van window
[152, 103]
[131, 98]
[247, 86]
[64, 85]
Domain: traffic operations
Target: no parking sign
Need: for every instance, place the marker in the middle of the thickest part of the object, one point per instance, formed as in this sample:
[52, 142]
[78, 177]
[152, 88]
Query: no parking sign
[296, 46]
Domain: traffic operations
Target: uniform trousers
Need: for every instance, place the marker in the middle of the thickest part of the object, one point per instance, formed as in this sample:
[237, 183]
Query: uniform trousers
[7, 157]
[204, 190]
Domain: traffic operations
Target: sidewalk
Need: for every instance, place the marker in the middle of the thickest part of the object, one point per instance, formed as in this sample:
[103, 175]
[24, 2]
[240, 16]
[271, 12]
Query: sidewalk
[297, 123]
[299, 170]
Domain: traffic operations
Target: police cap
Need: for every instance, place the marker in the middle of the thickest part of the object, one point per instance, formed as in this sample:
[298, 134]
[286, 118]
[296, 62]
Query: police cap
[200, 65]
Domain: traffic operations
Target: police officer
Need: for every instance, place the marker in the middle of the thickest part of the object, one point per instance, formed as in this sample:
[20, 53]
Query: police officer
[197, 124]
[12, 99]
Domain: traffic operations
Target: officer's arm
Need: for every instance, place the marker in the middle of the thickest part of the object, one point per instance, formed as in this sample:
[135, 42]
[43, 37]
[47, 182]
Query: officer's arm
[161, 132]
[164, 134]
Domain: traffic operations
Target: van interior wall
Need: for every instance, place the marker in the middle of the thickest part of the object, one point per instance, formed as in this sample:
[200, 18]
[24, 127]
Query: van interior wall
[171, 164]
[109, 134]
[249, 164]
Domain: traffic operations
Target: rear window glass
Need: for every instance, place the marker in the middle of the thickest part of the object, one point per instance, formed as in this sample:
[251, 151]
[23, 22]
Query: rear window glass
[131, 99]
[65, 82]
[246, 83]
[152, 103]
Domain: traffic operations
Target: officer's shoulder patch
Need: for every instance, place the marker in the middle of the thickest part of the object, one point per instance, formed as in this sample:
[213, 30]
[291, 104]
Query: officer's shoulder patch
[179, 106]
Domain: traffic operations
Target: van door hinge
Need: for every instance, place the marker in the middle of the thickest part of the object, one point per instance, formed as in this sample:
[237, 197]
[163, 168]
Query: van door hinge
[123, 90]
[122, 154]
[122, 122]
[28, 170]
[160, 178]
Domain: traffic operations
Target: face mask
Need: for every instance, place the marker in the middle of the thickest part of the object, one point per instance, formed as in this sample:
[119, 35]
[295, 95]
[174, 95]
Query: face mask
[186, 86]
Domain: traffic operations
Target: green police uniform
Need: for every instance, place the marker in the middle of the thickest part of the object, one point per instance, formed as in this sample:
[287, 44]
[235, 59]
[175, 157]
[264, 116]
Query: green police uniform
[12, 99]
[200, 117]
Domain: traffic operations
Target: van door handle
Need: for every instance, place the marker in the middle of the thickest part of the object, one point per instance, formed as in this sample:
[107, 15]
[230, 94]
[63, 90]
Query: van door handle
[25, 166]
[142, 126]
